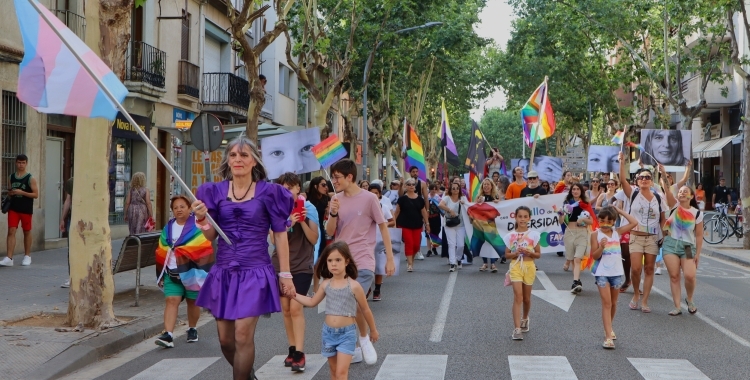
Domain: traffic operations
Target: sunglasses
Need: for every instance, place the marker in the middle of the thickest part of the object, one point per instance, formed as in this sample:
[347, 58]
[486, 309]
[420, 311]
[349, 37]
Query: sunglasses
[595, 181]
[411, 184]
[323, 184]
[532, 178]
[644, 178]
[611, 184]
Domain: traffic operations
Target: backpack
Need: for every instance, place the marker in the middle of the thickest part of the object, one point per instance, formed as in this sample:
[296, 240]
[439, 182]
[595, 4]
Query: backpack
[635, 194]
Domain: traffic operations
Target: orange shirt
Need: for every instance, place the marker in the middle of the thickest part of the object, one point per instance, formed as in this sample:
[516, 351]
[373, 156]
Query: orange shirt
[514, 190]
[700, 195]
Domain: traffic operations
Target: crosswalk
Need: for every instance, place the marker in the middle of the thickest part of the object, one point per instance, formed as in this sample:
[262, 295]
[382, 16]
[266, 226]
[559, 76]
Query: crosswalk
[427, 367]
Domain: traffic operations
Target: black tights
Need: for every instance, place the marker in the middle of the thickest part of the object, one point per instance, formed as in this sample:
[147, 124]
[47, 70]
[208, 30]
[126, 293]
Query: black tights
[237, 339]
[625, 248]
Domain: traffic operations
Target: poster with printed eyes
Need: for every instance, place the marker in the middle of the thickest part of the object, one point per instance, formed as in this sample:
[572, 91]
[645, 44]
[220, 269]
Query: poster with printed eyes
[550, 169]
[668, 147]
[290, 152]
[603, 158]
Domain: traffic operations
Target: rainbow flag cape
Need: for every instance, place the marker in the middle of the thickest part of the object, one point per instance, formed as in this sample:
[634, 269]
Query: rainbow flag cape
[474, 186]
[192, 251]
[413, 153]
[619, 137]
[435, 240]
[50, 78]
[537, 114]
[329, 151]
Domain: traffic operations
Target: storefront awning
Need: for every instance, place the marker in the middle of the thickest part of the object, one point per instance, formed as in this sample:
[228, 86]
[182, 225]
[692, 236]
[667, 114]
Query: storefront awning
[712, 148]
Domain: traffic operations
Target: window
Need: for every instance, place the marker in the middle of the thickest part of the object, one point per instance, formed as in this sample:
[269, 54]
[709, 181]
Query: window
[285, 77]
[119, 178]
[185, 46]
[13, 134]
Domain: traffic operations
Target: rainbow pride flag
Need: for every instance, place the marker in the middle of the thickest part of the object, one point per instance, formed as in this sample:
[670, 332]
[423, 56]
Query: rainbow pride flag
[537, 114]
[619, 137]
[474, 186]
[50, 78]
[631, 144]
[329, 151]
[413, 152]
[435, 240]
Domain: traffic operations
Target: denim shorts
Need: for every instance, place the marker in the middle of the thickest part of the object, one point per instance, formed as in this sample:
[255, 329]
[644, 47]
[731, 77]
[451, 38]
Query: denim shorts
[613, 281]
[365, 278]
[340, 339]
[673, 246]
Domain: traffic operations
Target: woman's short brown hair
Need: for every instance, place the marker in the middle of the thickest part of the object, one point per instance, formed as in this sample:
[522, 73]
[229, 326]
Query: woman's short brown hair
[177, 197]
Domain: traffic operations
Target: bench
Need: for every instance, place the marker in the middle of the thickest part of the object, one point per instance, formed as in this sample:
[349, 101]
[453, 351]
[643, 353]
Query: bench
[138, 251]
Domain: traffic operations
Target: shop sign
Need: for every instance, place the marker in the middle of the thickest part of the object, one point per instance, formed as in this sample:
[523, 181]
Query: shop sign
[123, 129]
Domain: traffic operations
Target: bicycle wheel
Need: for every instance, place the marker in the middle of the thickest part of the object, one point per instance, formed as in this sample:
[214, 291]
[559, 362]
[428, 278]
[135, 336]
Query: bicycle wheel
[736, 228]
[715, 230]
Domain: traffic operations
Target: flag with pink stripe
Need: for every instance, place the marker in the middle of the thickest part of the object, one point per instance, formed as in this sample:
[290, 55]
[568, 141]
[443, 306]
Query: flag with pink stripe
[50, 79]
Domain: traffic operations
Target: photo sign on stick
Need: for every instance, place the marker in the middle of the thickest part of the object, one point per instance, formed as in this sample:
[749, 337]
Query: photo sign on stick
[290, 152]
[603, 159]
[668, 147]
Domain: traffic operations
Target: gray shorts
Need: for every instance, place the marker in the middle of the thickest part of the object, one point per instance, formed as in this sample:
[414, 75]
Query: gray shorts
[365, 278]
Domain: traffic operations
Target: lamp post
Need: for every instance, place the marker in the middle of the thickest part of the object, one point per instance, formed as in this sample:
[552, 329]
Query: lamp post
[364, 83]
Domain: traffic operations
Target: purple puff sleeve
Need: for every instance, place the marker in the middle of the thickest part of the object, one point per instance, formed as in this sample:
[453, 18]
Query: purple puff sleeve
[279, 204]
[209, 194]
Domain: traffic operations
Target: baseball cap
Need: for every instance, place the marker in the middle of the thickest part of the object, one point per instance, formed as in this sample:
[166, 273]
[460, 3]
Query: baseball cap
[532, 173]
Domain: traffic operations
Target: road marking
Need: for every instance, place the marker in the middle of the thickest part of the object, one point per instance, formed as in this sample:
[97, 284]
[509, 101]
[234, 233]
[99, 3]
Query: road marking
[274, 369]
[186, 368]
[560, 298]
[413, 367]
[442, 314]
[706, 319]
[656, 369]
[540, 367]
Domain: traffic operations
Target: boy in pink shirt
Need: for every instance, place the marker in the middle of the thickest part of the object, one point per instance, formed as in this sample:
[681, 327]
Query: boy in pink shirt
[353, 215]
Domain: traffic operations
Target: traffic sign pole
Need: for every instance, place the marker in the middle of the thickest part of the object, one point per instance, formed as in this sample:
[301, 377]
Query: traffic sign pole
[206, 152]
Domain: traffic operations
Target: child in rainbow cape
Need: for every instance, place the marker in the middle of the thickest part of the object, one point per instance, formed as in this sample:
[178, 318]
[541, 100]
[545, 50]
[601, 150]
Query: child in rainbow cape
[183, 259]
[607, 267]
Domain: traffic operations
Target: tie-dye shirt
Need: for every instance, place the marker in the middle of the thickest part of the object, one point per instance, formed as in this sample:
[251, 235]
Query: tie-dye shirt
[610, 264]
[528, 240]
[681, 223]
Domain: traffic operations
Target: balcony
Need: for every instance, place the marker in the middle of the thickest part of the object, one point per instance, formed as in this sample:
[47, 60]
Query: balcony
[75, 22]
[714, 93]
[188, 81]
[225, 94]
[267, 110]
[145, 71]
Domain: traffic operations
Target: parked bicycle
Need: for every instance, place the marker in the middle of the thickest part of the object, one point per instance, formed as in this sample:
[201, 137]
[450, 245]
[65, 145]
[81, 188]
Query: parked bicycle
[721, 226]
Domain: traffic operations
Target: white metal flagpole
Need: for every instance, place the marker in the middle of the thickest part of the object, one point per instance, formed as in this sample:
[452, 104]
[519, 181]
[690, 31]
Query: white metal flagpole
[122, 109]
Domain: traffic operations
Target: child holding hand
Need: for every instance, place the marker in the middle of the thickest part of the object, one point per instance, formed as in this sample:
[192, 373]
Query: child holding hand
[336, 266]
[522, 245]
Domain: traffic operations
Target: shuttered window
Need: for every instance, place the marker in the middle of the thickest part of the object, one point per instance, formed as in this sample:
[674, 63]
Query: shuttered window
[185, 43]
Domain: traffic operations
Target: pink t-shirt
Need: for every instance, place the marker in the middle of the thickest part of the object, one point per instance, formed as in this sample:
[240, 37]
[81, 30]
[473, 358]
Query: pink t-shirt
[359, 216]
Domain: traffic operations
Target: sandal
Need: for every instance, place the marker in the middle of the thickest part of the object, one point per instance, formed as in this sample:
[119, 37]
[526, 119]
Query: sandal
[566, 267]
[613, 336]
[624, 287]
[483, 268]
[410, 268]
[493, 268]
[675, 312]
[691, 306]
[645, 309]
[633, 305]
[608, 344]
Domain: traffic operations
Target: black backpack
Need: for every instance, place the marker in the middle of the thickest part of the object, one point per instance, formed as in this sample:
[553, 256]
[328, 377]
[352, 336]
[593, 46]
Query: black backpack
[635, 194]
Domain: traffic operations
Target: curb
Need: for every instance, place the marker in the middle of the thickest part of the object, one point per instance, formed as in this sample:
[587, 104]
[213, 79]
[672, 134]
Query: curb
[721, 255]
[107, 343]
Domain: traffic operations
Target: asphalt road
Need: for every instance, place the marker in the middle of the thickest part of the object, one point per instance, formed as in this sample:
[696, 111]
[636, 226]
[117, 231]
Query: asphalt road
[475, 342]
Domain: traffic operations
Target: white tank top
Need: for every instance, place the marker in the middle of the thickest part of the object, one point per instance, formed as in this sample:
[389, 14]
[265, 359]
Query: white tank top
[610, 264]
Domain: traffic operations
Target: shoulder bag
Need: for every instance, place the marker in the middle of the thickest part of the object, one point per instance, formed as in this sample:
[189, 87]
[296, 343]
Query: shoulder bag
[453, 221]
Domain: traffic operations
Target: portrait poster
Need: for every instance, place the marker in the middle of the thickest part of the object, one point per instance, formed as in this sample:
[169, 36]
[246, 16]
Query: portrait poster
[603, 159]
[549, 168]
[671, 148]
[119, 204]
[120, 188]
[120, 154]
[290, 152]
[120, 171]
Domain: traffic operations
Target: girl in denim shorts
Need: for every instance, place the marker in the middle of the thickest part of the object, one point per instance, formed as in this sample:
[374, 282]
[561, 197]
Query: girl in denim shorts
[343, 295]
[607, 269]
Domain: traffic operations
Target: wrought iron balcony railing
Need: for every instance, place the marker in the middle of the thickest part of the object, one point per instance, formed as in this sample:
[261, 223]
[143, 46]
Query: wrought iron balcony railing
[75, 22]
[146, 64]
[225, 89]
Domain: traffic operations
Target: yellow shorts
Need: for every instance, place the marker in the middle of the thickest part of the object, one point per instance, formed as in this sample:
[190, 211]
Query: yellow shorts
[524, 271]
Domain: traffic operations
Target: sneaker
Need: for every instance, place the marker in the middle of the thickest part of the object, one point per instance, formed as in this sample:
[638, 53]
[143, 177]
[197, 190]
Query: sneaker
[26, 261]
[577, 287]
[460, 266]
[6, 262]
[368, 352]
[502, 261]
[517, 335]
[164, 340]
[419, 256]
[656, 272]
[525, 325]
[357, 357]
[192, 335]
[290, 358]
[298, 365]
[376, 295]
[453, 268]
[429, 253]
[65, 284]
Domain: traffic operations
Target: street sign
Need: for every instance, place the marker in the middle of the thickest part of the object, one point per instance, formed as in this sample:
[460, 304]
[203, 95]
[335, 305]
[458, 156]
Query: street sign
[211, 140]
[183, 125]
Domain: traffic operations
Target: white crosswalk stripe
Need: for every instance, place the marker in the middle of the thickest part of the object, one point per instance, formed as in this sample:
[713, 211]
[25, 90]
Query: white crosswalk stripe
[540, 367]
[185, 368]
[658, 369]
[413, 367]
[274, 369]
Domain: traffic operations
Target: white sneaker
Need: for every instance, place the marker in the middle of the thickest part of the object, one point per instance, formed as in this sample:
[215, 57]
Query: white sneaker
[368, 351]
[65, 284]
[657, 271]
[357, 358]
[419, 256]
[6, 262]
[26, 261]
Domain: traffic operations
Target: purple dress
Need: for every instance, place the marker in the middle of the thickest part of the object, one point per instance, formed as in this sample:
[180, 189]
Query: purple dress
[242, 283]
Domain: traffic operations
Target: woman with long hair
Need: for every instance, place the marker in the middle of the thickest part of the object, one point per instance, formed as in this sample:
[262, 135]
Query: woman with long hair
[545, 186]
[138, 204]
[410, 216]
[595, 189]
[682, 244]
[243, 285]
[485, 229]
[564, 185]
[317, 194]
[648, 208]
[455, 234]
[578, 218]
[665, 145]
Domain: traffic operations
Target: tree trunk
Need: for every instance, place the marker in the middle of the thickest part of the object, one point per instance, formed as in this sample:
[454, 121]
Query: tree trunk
[92, 285]
[257, 94]
[320, 112]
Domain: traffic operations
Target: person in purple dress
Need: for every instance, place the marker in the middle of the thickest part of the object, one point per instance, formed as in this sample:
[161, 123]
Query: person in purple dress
[242, 285]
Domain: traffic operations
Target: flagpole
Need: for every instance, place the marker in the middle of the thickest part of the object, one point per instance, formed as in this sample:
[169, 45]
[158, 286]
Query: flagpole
[122, 109]
[539, 124]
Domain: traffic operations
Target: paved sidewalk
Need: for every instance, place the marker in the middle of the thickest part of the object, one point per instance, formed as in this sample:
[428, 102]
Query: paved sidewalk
[730, 250]
[38, 352]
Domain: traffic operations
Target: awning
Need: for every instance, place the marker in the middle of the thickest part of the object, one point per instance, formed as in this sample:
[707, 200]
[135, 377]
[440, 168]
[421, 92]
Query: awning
[712, 148]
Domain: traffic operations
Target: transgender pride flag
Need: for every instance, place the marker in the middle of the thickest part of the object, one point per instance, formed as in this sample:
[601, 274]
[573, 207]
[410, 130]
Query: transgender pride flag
[50, 79]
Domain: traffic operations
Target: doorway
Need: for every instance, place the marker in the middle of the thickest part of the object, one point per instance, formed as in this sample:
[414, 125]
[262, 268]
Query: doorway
[53, 187]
